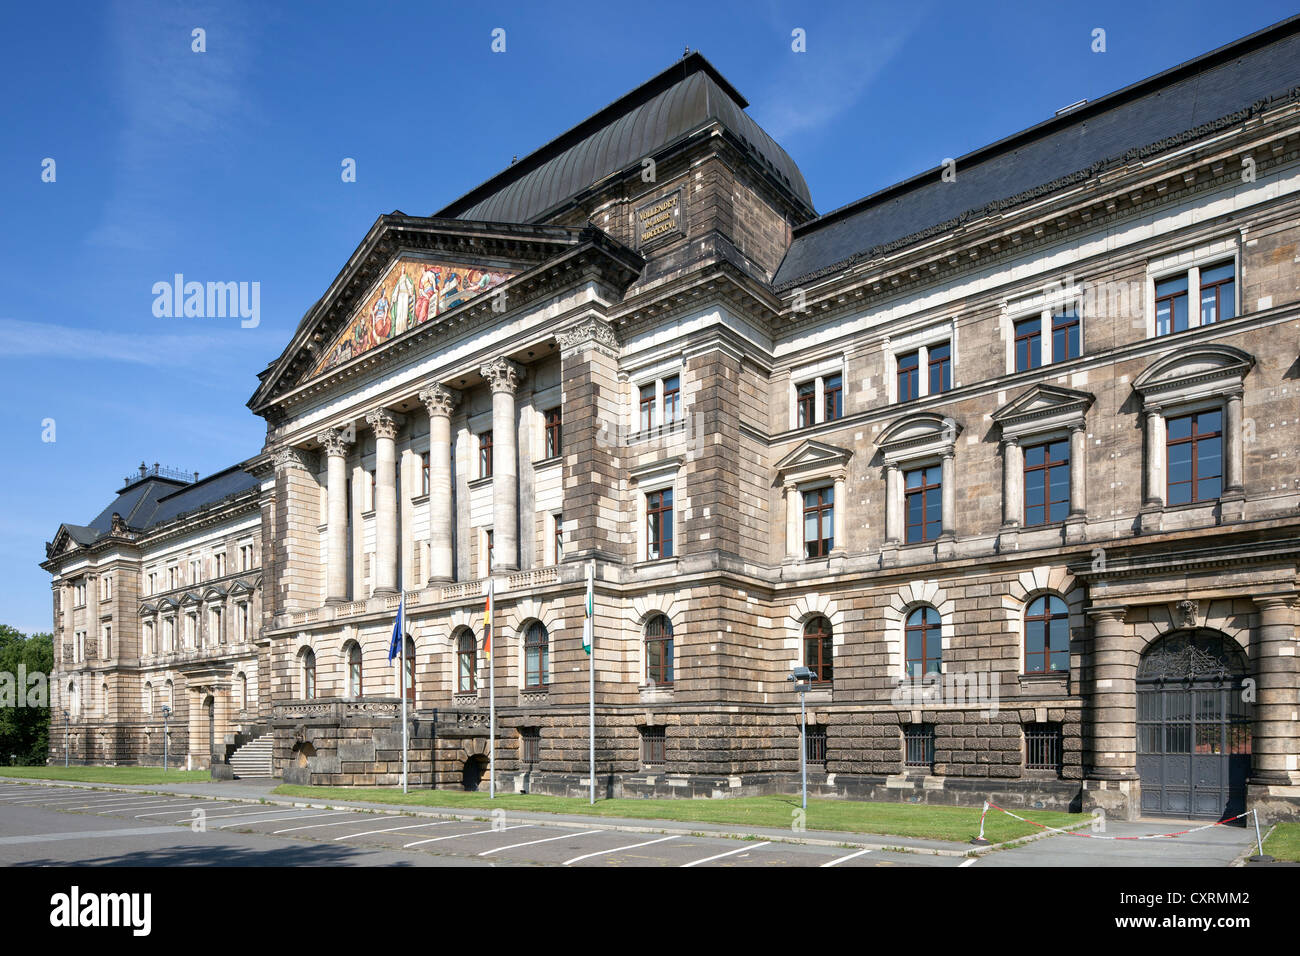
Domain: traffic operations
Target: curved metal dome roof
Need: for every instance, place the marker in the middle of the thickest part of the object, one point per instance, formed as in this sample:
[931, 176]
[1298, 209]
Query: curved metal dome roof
[687, 97]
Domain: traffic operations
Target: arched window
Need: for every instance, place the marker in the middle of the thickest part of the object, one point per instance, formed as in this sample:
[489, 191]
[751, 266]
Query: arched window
[103, 699]
[168, 690]
[148, 697]
[308, 674]
[241, 689]
[1047, 636]
[818, 649]
[537, 656]
[354, 669]
[923, 642]
[74, 702]
[410, 672]
[659, 650]
[466, 663]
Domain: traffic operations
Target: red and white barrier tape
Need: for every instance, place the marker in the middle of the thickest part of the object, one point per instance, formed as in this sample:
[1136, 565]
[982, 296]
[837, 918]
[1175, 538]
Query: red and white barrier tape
[1096, 836]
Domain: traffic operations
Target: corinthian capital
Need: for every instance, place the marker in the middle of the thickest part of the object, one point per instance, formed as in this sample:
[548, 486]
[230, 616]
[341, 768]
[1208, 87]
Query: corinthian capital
[335, 442]
[290, 457]
[589, 330]
[502, 374]
[384, 422]
[439, 400]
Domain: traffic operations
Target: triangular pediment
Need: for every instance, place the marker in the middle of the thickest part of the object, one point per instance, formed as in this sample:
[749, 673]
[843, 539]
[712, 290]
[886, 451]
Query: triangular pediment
[413, 277]
[1043, 402]
[812, 454]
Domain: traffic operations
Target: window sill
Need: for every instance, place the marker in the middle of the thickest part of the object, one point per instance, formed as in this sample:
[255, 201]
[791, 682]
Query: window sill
[548, 462]
[420, 498]
[655, 562]
[482, 481]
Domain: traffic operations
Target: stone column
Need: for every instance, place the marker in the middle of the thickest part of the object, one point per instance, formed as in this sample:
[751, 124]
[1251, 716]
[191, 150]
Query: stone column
[949, 497]
[1114, 697]
[440, 401]
[1273, 748]
[1078, 455]
[385, 424]
[504, 377]
[1013, 476]
[840, 513]
[1155, 490]
[335, 445]
[1232, 446]
[893, 511]
[793, 518]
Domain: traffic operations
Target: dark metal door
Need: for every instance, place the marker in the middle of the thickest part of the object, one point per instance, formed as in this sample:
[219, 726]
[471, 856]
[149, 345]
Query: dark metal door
[1193, 728]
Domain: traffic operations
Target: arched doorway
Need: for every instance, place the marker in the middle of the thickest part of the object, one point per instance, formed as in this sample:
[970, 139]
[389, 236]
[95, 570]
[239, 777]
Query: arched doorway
[1193, 725]
[476, 768]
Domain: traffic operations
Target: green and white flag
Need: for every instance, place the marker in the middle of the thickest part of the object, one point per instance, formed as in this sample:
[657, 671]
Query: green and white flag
[589, 608]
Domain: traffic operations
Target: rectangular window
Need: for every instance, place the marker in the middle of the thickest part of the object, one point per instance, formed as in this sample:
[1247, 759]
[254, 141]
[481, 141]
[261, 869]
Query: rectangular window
[815, 745]
[923, 503]
[1065, 335]
[1171, 305]
[1029, 344]
[918, 745]
[424, 473]
[806, 403]
[1047, 483]
[818, 522]
[647, 406]
[489, 547]
[654, 746]
[659, 524]
[1194, 458]
[833, 395]
[554, 432]
[1043, 747]
[940, 362]
[485, 455]
[530, 745]
[107, 649]
[1218, 293]
[672, 399]
[909, 373]
[559, 538]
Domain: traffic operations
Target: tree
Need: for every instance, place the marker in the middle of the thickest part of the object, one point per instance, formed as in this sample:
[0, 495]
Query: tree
[25, 666]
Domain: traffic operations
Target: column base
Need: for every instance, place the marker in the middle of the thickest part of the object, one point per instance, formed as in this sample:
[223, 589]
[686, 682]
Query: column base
[379, 591]
[1009, 538]
[440, 579]
[1271, 778]
[1076, 528]
[331, 601]
[1149, 518]
[1232, 507]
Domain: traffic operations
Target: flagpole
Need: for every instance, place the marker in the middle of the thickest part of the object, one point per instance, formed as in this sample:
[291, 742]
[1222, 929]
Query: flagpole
[401, 683]
[591, 678]
[492, 698]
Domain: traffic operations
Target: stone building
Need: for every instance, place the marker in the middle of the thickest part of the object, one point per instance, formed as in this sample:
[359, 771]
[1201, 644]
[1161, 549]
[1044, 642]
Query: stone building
[1005, 453]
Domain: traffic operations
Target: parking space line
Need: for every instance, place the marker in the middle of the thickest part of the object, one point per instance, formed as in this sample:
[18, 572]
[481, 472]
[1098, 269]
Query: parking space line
[562, 836]
[223, 805]
[129, 807]
[414, 826]
[240, 822]
[456, 836]
[710, 859]
[313, 826]
[844, 859]
[254, 812]
[972, 860]
[616, 849]
[106, 802]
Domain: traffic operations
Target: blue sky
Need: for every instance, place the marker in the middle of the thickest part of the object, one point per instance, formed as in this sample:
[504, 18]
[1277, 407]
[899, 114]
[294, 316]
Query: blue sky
[225, 166]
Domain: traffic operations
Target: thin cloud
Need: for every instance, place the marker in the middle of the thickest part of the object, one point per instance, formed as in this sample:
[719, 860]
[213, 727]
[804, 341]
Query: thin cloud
[20, 339]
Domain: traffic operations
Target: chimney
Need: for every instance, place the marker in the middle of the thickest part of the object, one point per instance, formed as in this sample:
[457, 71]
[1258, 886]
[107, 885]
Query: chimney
[142, 469]
[196, 477]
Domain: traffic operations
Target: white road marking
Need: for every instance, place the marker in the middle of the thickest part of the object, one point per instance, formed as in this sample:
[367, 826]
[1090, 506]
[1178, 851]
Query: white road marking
[616, 849]
[197, 805]
[843, 859]
[241, 821]
[972, 860]
[457, 836]
[710, 859]
[86, 835]
[562, 836]
[416, 826]
[312, 826]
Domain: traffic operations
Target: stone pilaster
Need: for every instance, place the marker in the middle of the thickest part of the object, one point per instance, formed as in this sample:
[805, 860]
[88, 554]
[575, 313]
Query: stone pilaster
[440, 402]
[1273, 747]
[386, 425]
[295, 542]
[1114, 696]
[503, 377]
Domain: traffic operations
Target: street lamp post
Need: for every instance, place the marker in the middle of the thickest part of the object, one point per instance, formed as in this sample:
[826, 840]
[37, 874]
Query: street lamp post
[167, 712]
[67, 736]
[802, 679]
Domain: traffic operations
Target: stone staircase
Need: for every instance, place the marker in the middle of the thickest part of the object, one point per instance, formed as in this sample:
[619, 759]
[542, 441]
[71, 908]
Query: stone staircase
[254, 758]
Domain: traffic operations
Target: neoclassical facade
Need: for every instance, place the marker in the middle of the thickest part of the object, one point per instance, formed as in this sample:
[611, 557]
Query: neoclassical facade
[1003, 453]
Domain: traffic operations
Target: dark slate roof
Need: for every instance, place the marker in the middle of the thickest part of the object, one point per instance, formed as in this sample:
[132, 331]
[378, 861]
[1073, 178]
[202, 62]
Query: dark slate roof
[152, 501]
[1055, 154]
[687, 96]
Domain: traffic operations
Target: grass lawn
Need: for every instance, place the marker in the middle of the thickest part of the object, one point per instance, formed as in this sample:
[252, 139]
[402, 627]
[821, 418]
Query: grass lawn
[109, 774]
[1284, 842]
[899, 819]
